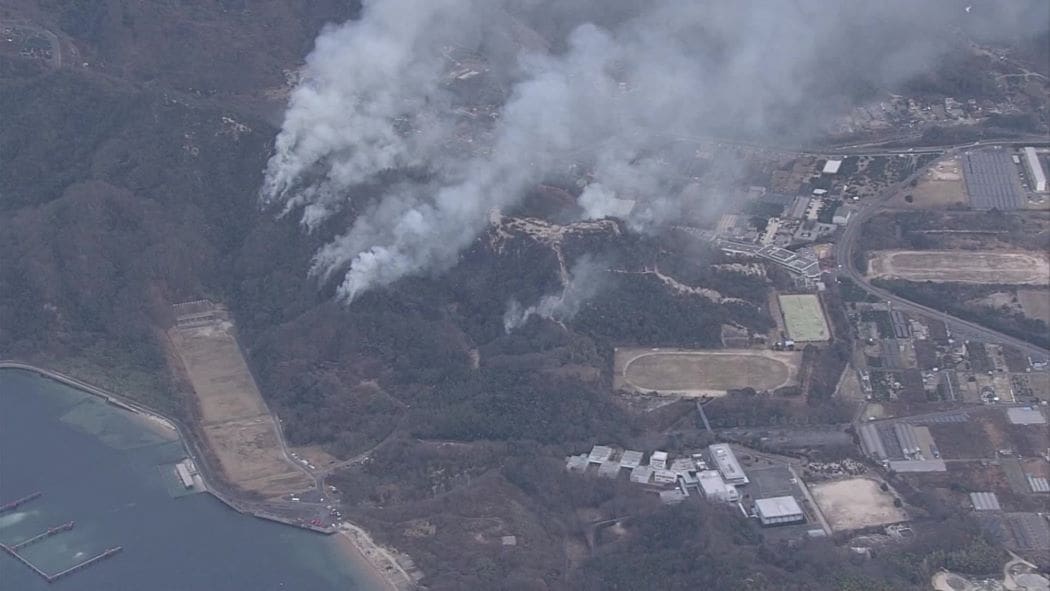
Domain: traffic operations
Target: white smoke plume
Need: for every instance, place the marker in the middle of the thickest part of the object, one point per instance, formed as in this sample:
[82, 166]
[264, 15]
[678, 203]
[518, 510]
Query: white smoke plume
[586, 278]
[618, 85]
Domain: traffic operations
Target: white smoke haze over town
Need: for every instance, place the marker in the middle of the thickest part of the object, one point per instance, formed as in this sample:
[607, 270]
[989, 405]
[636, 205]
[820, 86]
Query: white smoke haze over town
[609, 84]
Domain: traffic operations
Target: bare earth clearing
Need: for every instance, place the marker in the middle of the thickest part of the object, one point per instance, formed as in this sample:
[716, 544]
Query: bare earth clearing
[236, 424]
[1020, 268]
[1036, 303]
[940, 186]
[855, 503]
[699, 373]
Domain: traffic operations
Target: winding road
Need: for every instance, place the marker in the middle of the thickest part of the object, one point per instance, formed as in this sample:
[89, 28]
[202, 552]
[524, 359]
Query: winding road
[845, 246]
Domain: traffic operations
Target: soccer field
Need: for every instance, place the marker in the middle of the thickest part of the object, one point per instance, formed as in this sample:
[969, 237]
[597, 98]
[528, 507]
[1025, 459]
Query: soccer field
[804, 318]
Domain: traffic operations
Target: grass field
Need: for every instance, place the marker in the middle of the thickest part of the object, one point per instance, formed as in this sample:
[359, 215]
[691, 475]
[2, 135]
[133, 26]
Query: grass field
[700, 373]
[1020, 268]
[855, 503]
[236, 424]
[804, 317]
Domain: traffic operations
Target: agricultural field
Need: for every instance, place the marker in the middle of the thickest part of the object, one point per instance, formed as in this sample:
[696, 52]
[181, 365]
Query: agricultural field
[237, 426]
[856, 503]
[703, 373]
[992, 267]
[804, 318]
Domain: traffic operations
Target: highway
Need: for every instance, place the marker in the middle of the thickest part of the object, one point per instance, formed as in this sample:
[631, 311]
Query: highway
[844, 249]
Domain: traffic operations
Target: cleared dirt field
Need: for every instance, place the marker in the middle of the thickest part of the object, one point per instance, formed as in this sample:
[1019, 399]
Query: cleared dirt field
[940, 186]
[1036, 303]
[1020, 268]
[855, 503]
[703, 373]
[237, 426]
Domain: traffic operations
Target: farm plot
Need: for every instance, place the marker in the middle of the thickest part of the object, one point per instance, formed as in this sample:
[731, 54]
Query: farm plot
[1019, 268]
[703, 373]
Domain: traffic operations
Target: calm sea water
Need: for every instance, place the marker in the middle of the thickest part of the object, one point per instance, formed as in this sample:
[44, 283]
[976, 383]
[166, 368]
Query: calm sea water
[103, 468]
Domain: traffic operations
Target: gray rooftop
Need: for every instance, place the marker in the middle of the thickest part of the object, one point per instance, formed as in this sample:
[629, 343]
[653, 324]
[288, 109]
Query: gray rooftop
[991, 180]
[985, 501]
[918, 466]
[631, 459]
[785, 506]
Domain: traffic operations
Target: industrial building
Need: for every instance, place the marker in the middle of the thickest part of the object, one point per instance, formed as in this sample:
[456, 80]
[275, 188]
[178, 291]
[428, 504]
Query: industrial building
[832, 166]
[715, 488]
[991, 180]
[184, 474]
[1035, 170]
[919, 466]
[778, 511]
[727, 465]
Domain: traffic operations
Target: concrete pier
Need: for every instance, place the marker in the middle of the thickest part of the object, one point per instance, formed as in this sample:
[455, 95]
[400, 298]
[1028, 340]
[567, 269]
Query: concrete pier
[44, 535]
[19, 558]
[84, 564]
[6, 507]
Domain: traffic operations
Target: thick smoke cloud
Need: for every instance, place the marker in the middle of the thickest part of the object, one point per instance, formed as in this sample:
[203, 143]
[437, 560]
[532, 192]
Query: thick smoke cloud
[620, 87]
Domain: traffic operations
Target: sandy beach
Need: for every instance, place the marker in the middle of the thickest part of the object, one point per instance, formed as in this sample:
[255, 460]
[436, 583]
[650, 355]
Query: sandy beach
[385, 565]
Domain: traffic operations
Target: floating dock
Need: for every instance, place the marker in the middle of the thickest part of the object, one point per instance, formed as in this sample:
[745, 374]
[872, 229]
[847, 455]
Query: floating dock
[7, 507]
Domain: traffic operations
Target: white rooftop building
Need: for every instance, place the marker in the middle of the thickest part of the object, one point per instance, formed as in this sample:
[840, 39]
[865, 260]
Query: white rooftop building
[713, 487]
[778, 511]
[1035, 169]
[631, 459]
[725, 461]
[832, 166]
[599, 454]
[641, 475]
[658, 460]
[664, 476]
[683, 466]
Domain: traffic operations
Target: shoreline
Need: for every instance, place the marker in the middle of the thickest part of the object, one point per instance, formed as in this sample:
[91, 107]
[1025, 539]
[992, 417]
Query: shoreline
[385, 563]
[379, 565]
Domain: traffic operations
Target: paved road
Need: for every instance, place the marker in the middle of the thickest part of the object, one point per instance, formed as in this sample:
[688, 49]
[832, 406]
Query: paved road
[844, 249]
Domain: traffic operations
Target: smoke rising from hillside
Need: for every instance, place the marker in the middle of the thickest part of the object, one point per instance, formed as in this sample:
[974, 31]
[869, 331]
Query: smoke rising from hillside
[613, 84]
[586, 278]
